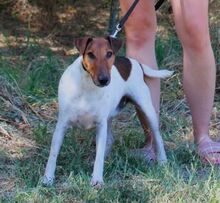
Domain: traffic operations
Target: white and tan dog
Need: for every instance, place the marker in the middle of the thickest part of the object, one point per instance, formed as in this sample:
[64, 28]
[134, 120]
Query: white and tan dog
[94, 89]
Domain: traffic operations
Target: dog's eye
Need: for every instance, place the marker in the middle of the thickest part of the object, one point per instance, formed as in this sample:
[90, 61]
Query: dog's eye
[91, 55]
[109, 54]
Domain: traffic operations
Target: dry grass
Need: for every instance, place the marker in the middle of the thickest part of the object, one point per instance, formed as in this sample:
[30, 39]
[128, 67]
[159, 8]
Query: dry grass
[29, 73]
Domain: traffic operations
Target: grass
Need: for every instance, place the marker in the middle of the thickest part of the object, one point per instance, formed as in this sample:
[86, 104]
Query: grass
[23, 156]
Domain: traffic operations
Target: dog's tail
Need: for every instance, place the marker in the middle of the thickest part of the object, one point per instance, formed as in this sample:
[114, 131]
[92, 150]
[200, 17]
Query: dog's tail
[155, 73]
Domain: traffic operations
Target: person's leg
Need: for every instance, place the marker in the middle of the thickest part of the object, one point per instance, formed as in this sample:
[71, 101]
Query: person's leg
[140, 32]
[191, 21]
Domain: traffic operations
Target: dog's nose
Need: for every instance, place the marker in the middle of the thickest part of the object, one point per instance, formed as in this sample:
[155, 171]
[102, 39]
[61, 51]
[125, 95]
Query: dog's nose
[103, 80]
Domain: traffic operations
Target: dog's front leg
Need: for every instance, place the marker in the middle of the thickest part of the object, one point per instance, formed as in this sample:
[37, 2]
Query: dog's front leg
[57, 141]
[109, 140]
[101, 137]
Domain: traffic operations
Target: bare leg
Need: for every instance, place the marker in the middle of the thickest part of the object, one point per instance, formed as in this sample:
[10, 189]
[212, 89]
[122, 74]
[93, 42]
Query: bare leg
[191, 19]
[140, 44]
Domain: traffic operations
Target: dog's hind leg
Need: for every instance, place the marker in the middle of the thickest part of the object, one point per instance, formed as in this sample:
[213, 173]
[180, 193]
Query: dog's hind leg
[143, 101]
[147, 152]
[57, 141]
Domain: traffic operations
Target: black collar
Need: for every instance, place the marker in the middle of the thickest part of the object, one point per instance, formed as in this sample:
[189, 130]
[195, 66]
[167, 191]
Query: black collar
[84, 68]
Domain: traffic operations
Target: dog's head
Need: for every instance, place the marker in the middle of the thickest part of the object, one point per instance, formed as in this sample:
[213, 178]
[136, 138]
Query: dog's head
[98, 57]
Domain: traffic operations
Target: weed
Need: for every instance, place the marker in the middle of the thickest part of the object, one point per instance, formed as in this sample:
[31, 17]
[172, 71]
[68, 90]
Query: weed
[36, 71]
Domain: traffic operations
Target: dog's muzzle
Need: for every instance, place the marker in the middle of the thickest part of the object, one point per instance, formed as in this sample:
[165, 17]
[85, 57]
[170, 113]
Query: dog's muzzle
[103, 80]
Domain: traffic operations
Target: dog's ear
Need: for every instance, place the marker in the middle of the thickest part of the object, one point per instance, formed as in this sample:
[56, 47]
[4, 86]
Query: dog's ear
[82, 43]
[114, 43]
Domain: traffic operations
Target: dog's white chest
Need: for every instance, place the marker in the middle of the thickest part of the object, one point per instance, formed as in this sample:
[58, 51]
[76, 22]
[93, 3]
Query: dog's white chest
[85, 121]
[85, 118]
[86, 111]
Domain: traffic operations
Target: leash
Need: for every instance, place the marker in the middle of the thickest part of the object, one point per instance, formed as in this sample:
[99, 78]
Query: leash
[121, 23]
[158, 4]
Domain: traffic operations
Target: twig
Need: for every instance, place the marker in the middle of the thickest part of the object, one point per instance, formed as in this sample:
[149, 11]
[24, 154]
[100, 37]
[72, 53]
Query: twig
[35, 112]
[17, 109]
[215, 124]
[8, 121]
[5, 133]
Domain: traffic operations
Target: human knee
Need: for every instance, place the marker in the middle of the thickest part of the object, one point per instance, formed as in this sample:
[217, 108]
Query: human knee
[140, 30]
[195, 35]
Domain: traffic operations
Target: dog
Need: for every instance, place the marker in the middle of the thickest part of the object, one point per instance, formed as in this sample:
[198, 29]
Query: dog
[93, 89]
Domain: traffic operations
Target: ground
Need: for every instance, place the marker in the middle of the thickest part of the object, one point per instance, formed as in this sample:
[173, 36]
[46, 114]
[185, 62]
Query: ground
[36, 45]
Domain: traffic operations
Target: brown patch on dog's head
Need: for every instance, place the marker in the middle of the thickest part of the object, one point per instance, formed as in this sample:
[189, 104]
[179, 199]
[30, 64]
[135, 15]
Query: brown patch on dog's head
[81, 44]
[98, 57]
[115, 43]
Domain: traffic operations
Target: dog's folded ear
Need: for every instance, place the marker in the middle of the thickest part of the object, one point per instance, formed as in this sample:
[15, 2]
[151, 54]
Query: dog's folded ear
[114, 43]
[82, 43]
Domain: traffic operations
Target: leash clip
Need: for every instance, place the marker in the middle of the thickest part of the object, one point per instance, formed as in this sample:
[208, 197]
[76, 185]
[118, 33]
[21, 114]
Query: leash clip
[118, 29]
[121, 23]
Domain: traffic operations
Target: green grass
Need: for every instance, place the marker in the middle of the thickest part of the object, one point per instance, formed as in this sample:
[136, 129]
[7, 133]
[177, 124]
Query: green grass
[183, 179]
[126, 180]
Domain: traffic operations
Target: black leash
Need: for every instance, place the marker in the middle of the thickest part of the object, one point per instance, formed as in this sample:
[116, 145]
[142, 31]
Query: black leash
[121, 23]
[158, 4]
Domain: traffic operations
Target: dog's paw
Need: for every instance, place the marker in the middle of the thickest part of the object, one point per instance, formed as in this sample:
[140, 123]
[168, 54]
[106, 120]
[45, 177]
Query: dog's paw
[96, 183]
[47, 181]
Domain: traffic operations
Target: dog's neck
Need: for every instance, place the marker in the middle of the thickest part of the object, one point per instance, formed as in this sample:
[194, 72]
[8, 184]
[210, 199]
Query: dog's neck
[84, 67]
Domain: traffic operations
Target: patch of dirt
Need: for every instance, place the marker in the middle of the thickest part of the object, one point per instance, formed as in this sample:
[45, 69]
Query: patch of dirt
[55, 26]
